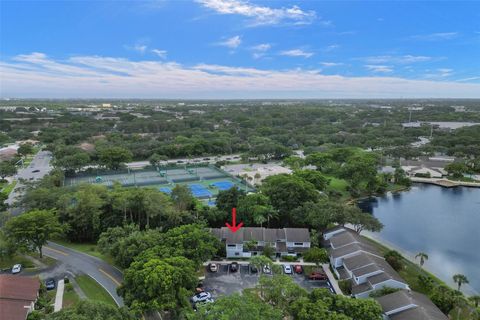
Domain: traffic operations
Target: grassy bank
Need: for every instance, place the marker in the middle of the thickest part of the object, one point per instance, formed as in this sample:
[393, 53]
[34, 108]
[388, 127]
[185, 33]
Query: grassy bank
[70, 297]
[93, 290]
[9, 187]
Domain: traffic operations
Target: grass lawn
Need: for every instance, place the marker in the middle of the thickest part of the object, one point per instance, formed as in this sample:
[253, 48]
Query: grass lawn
[70, 297]
[8, 188]
[338, 185]
[10, 261]
[93, 290]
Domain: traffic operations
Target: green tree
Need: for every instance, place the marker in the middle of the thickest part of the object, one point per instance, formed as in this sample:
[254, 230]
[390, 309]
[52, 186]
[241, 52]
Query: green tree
[228, 199]
[255, 209]
[363, 221]
[444, 298]
[158, 284]
[287, 192]
[182, 198]
[7, 169]
[33, 229]
[280, 290]
[317, 255]
[260, 261]
[25, 149]
[155, 159]
[423, 257]
[114, 157]
[460, 279]
[475, 300]
[314, 177]
[239, 307]
[395, 259]
[426, 283]
[91, 310]
[456, 169]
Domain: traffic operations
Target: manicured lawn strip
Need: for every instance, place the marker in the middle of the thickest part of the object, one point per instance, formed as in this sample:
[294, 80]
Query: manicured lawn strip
[93, 290]
[8, 262]
[70, 297]
[6, 190]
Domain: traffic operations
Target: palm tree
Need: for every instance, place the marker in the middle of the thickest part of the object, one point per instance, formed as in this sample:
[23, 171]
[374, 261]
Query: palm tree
[423, 257]
[460, 279]
[475, 300]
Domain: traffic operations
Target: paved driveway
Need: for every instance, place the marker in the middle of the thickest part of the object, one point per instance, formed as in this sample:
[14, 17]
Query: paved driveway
[225, 282]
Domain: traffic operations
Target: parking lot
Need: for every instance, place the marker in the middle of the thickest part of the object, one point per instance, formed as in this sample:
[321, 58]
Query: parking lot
[224, 282]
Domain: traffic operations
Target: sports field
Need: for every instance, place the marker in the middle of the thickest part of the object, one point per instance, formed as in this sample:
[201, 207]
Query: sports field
[204, 182]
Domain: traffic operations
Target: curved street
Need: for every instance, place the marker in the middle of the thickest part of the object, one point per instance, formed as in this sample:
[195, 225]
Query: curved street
[77, 263]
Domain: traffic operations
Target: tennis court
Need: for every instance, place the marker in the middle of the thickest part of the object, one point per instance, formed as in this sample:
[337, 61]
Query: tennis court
[204, 182]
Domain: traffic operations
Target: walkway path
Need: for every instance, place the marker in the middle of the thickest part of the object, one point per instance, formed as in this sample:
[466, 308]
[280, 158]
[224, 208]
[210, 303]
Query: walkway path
[445, 182]
[331, 278]
[59, 297]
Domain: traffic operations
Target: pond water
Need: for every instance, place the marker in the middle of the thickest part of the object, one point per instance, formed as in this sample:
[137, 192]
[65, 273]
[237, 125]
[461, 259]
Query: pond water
[444, 223]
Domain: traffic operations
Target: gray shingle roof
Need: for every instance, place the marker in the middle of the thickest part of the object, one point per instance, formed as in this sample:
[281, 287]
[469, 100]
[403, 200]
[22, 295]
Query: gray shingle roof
[297, 234]
[261, 234]
[423, 308]
[344, 238]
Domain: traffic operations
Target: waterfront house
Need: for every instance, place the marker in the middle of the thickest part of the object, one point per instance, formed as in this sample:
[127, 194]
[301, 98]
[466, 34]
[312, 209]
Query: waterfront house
[408, 305]
[250, 241]
[353, 258]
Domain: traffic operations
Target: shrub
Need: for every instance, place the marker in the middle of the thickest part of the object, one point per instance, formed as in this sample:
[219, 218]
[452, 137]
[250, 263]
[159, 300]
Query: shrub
[345, 286]
[394, 259]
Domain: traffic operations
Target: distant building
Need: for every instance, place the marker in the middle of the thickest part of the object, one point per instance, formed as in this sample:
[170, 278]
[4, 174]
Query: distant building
[353, 258]
[17, 296]
[285, 242]
[405, 305]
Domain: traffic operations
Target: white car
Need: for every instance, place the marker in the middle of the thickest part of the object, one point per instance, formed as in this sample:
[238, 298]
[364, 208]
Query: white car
[16, 268]
[267, 269]
[287, 269]
[202, 297]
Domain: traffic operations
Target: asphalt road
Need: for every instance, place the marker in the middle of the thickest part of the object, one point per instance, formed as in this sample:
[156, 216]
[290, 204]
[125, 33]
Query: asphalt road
[37, 169]
[77, 263]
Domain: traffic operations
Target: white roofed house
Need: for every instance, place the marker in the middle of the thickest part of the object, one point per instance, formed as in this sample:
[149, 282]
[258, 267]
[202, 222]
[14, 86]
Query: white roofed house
[285, 242]
[354, 259]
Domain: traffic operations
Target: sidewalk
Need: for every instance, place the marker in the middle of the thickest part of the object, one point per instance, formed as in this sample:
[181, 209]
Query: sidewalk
[331, 279]
[59, 297]
[246, 262]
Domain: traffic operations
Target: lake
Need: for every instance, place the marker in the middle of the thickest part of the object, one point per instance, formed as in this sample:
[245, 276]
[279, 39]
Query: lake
[444, 223]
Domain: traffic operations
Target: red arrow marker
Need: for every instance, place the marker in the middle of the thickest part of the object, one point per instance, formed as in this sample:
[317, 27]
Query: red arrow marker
[234, 227]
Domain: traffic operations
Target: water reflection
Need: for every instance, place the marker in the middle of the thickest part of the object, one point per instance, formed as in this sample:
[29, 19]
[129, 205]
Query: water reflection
[439, 221]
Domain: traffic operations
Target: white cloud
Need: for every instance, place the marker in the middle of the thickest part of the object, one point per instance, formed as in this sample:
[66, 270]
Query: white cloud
[161, 53]
[379, 68]
[232, 42]
[331, 47]
[37, 75]
[296, 53]
[260, 50]
[140, 48]
[261, 15]
[468, 79]
[439, 36]
[331, 64]
[405, 59]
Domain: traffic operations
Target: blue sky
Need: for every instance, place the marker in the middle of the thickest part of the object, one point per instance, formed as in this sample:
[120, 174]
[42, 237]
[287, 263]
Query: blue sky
[239, 49]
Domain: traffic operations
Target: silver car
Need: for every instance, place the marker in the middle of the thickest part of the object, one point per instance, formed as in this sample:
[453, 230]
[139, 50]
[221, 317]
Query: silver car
[202, 297]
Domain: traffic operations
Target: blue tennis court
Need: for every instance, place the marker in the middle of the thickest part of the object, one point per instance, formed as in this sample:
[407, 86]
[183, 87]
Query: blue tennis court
[223, 185]
[166, 190]
[199, 191]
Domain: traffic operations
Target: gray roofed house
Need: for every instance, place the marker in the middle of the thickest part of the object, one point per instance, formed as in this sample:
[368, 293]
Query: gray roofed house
[286, 241]
[408, 305]
[352, 257]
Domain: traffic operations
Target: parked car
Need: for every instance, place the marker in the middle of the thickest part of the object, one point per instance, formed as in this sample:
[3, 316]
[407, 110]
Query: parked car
[317, 275]
[201, 297]
[234, 267]
[50, 284]
[298, 269]
[267, 269]
[287, 269]
[17, 268]
[253, 269]
[212, 267]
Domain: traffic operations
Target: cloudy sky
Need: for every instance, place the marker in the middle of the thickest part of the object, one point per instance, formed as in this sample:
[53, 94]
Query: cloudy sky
[239, 49]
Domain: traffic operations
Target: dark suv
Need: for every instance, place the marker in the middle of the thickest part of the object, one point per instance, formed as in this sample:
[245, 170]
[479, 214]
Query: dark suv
[234, 267]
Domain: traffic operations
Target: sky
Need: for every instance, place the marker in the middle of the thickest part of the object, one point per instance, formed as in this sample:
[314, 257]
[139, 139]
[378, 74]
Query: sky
[223, 49]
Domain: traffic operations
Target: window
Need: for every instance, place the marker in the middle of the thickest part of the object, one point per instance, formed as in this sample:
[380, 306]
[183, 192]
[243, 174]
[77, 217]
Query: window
[232, 245]
[298, 243]
[237, 253]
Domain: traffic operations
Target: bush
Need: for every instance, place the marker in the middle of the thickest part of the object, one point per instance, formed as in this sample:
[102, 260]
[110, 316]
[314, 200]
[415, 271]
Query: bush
[394, 259]
[289, 258]
[345, 286]
[382, 292]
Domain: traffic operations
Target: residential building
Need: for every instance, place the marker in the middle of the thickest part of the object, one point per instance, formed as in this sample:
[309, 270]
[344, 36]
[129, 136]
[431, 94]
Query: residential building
[353, 258]
[17, 296]
[405, 305]
[250, 241]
